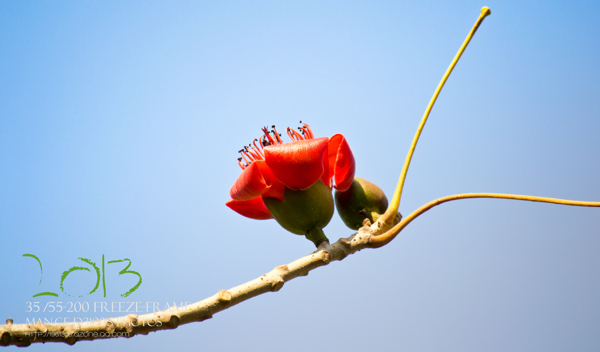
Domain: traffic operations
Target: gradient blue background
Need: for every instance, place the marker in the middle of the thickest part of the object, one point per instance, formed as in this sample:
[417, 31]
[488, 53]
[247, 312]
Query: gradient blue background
[120, 122]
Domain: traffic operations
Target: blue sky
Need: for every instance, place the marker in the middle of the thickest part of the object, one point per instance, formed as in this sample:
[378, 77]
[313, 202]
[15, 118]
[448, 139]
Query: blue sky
[120, 123]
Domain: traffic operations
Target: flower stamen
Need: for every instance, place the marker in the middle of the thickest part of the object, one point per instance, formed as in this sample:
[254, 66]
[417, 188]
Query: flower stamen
[257, 151]
[257, 148]
[268, 136]
[243, 153]
[254, 155]
[308, 130]
[291, 135]
[305, 132]
[249, 154]
[277, 135]
[241, 164]
[254, 152]
[297, 135]
[265, 142]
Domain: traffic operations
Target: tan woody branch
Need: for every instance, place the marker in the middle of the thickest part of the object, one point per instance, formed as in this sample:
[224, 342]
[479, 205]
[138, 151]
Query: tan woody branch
[131, 325]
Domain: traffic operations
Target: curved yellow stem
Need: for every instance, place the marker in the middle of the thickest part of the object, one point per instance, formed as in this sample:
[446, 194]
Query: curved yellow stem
[383, 239]
[395, 203]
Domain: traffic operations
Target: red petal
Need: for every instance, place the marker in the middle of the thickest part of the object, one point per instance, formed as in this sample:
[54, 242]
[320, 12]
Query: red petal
[328, 172]
[256, 180]
[254, 208]
[298, 165]
[341, 162]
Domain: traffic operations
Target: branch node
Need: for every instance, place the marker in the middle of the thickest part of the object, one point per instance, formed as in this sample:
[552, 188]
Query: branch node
[277, 285]
[39, 326]
[174, 321]
[224, 296]
[325, 257]
[129, 325]
[284, 269]
[170, 320]
[110, 326]
[5, 339]
[70, 338]
[133, 319]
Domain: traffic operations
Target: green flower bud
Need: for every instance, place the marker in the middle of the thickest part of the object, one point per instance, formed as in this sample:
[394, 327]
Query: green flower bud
[304, 212]
[363, 200]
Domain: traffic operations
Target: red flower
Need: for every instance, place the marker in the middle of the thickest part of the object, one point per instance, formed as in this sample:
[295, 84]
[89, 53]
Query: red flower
[271, 166]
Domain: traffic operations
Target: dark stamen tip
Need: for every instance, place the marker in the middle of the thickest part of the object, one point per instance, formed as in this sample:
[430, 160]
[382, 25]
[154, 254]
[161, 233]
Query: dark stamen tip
[239, 159]
[273, 126]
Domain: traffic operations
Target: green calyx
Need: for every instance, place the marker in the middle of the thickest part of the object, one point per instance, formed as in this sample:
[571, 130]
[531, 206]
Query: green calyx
[304, 212]
[363, 200]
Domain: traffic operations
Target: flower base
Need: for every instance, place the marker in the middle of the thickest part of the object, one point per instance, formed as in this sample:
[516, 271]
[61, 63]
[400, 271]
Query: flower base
[304, 212]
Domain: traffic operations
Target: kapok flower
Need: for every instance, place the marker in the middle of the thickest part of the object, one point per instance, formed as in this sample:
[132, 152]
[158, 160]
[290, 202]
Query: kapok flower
[276, 174]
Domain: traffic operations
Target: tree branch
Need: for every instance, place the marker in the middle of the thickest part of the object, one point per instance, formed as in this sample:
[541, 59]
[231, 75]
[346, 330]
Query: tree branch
[131, 325]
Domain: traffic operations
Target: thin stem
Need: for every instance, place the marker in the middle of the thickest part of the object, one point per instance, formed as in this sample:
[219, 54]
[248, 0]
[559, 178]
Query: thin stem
[382, 240]
[395, 203]
[317, 236]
